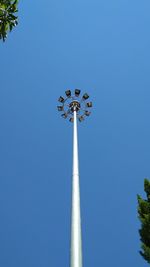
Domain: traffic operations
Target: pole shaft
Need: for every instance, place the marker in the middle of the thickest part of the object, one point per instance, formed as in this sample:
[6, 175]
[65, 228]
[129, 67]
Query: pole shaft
[76, 239]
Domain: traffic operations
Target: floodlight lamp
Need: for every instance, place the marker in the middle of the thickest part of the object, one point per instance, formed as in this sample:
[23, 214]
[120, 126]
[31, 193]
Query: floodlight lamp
[81, 118]
[71, 119]
[85, 96]
[77, 92]
[64, 115]
[60, 108]
[89, 104]
[61, 99]
[87, 113]
[68, 93]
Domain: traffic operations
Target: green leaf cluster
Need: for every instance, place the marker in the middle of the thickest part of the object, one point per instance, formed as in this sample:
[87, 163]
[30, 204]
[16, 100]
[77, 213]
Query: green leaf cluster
[8, 18]
[144, 216]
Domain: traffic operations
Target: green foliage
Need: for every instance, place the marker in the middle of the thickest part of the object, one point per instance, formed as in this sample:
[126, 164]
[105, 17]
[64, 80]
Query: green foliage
[144, 216]
[8, 19]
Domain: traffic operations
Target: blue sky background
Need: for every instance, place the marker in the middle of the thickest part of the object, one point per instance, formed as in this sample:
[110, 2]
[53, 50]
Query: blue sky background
[102, 47]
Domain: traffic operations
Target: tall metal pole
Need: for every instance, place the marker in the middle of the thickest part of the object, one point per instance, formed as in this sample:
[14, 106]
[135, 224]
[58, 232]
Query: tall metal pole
[75, 107]
[76, 239]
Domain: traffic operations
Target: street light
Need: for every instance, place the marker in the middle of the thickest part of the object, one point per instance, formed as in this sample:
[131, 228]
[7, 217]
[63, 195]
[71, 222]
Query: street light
[77, 92]
[61, 99]
[85, 96]
[81, 118]
[74, 108]
[89, 104]
[60, 108]
[87, 113]
[64, 115]
[74, 102]
[68, 93]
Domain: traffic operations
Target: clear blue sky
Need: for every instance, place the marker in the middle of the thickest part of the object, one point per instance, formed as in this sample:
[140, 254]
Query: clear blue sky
[102, 47]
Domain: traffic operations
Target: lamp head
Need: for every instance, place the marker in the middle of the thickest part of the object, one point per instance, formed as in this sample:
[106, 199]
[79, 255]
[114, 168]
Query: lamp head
[89, 104]
[61, 99]
[74, 102]
[60, 108]
[77, 92]
[68, 93]
[85, 96]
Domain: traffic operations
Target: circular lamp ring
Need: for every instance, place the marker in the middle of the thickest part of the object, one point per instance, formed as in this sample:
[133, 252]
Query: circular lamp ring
[74, 102]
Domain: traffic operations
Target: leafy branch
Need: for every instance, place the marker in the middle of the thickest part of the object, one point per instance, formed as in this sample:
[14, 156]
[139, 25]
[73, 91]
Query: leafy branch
[144, 216]
[8, 18]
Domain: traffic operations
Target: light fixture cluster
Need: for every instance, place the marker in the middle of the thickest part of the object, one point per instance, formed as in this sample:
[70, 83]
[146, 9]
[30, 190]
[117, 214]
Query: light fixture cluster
[74, 102]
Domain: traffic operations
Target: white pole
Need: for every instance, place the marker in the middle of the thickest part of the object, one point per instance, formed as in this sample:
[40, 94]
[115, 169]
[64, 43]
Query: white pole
[76, 240]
